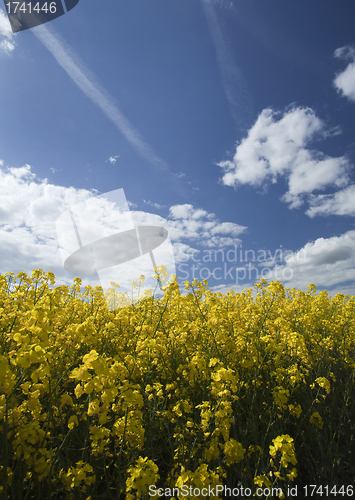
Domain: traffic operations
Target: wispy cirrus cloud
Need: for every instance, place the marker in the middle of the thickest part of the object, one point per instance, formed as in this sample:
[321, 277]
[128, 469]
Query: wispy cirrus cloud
[235, 86]
[89, 85]
[278, 145]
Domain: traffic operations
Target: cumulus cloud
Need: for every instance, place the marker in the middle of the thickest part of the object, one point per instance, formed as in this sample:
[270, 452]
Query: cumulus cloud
[188, 225]
[278, 146]
[30, 208]
[188, 212]
[344, 82]
[340, 203]
[7, 44]
[327, 262]
[184, 252]
[195, 224]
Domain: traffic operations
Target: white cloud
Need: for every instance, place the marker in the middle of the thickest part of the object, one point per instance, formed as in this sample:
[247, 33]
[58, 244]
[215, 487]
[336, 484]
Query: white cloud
[186, 223]
[329, 263]
[278, 146]
[183, 252]
[227, 228]
[28, 212]
[7, 45]
[155, 205]
[340, 203]
[344, 82]
[113, 159]
[187, 212]
[30, 207]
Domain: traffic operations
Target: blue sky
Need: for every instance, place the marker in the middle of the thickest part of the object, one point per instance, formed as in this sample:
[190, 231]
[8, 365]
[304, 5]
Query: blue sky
[229, 123]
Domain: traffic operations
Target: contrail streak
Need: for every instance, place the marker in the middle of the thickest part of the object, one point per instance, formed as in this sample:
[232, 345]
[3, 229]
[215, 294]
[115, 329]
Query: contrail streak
[234, 84]
[87, 83]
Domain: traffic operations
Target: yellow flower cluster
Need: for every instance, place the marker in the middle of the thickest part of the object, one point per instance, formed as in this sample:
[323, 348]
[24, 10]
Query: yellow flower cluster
[197, 481]
[316, 419]
[284, 445]
[140, 477]
[81, 473]
[197, 390]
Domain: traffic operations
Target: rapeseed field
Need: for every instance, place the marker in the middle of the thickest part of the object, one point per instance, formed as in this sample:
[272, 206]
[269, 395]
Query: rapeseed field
[174, 395]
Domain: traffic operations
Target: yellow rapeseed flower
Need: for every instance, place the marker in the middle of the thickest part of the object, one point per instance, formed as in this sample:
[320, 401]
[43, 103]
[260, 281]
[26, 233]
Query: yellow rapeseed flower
[73, 421]
[323, 382]
[316, 420]
[284, 444]
[233, 451]
[141, 476]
